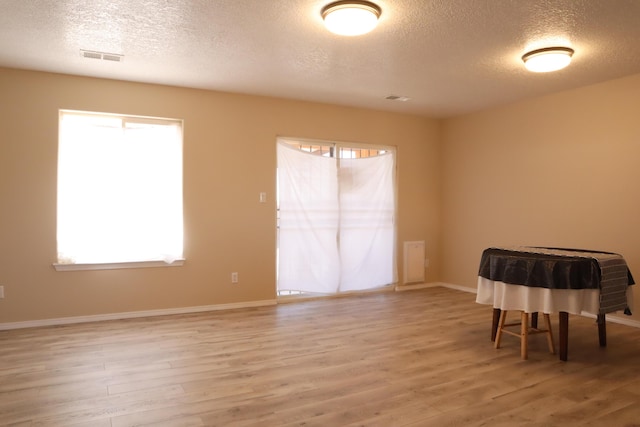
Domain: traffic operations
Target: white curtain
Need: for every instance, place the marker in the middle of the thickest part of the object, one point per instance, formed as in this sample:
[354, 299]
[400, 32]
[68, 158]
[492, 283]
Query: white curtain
[336, 224]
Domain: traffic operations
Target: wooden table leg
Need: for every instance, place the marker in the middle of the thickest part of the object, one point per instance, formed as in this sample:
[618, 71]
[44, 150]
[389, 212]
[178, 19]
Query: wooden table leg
[564, 335]
[524, 332]
[494, 324]
[602, 330]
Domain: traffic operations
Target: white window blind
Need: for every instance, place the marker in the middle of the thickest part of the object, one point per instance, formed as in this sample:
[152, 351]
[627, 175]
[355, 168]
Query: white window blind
[119, 189]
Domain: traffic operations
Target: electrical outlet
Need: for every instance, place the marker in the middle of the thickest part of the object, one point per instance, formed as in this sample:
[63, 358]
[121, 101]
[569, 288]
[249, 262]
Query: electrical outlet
[426, 263]
[1, 291]
[234, 277]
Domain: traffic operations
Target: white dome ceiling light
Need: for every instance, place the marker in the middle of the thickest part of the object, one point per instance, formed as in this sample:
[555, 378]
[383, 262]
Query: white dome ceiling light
[547, 59]
[351, 17]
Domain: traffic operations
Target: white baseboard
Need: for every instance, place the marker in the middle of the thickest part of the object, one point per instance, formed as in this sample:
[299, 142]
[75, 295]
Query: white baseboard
[610, 318]
[414, 286]
[459, 287]
[615, 319]
[218, 307]
[132, 314]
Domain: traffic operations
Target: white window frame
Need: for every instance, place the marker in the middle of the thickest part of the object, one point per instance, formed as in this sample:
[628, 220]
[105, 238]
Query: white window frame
[175, 261]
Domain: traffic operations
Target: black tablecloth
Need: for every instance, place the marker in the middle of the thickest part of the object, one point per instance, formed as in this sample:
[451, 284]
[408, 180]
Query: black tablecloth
[520, 267]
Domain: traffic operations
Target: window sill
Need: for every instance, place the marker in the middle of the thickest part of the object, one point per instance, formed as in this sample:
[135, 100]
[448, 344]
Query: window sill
[117, 265]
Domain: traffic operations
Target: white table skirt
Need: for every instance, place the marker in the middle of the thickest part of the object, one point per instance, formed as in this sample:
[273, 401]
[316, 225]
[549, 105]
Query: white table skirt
[540, 300]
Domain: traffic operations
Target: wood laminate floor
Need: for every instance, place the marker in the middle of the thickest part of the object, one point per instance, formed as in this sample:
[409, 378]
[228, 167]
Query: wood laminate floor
[418, 358]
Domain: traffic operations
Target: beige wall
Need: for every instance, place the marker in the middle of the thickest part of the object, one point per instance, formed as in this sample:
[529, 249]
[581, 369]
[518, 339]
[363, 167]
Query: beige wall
[229, 158]
[557, 170]
[560, 170]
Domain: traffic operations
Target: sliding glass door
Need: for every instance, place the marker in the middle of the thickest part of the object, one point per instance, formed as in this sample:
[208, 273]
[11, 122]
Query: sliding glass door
[336, 207]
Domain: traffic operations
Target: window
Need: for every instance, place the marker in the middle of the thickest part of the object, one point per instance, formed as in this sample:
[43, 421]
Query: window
[119, 191]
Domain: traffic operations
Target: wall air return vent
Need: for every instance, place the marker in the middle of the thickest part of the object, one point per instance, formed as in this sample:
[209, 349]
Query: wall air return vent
[114, 57]
[414, 261]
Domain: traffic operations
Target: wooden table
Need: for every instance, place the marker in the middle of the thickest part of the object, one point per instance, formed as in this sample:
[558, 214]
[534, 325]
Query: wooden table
[551, 280]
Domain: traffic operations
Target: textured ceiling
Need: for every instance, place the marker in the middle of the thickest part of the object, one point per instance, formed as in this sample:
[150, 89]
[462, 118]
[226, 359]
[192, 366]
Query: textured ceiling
[449, 56]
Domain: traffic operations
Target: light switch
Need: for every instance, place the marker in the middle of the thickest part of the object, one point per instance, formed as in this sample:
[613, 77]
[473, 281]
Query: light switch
[263, 197]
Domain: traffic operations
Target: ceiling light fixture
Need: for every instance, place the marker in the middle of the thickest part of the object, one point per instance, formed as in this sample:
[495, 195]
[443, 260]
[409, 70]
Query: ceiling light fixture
[547, 59]
[351, 17]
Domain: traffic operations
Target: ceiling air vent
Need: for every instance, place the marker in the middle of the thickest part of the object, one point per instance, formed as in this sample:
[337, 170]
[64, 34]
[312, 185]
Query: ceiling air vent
[101, 55]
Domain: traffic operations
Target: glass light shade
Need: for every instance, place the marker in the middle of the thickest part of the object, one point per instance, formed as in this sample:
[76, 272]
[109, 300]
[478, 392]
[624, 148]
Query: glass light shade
[351, 18]
[547, 59]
